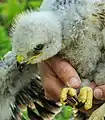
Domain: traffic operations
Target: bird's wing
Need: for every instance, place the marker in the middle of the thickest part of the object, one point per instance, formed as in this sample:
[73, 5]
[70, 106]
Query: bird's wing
[20, 88]
[11, 76]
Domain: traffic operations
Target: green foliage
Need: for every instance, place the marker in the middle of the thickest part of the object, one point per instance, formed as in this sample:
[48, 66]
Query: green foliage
[4, 41]
[65, 114]
[8, 10]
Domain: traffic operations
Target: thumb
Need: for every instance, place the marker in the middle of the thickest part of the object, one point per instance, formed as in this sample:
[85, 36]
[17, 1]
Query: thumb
[99, 92]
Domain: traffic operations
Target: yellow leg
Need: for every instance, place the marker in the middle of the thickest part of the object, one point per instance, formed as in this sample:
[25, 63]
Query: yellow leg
[64, 94]
[86, 96]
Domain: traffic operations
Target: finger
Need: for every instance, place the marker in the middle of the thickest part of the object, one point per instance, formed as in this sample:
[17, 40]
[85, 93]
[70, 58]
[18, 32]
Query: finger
[99, 92]
[93, 85]
[65, 72]
[52, 85]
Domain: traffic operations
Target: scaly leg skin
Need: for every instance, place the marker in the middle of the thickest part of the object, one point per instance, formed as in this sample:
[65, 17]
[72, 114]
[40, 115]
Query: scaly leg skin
[65, 93]
[86, 97]
[98, 114]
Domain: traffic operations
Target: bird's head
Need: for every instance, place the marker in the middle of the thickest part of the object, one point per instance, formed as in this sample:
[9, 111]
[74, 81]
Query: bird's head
[36, 36]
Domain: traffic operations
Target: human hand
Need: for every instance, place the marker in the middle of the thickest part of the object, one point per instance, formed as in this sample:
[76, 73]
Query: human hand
[57, 74]
[99, 92]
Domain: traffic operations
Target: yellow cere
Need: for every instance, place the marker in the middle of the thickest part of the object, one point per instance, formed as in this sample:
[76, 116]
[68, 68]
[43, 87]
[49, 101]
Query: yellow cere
[20, 58]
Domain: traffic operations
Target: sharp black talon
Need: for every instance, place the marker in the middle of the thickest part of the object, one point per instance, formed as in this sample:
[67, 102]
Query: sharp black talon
[71, 100]
[76, 99]
[80, 104]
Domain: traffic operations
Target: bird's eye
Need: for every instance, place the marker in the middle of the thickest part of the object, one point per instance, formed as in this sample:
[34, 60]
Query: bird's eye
[39, 47]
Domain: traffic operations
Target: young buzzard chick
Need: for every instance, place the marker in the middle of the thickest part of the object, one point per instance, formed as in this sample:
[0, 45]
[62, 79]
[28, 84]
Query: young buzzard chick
[71, 29]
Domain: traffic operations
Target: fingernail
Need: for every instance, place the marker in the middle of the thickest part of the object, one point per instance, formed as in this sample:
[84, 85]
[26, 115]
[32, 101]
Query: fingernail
[98, 93]
[74, 82]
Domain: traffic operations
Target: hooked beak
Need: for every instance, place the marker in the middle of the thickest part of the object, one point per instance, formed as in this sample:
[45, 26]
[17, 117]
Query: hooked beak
[21, 66]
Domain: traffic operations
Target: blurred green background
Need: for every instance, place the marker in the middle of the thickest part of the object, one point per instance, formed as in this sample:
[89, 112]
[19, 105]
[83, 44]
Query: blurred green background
[9, 9]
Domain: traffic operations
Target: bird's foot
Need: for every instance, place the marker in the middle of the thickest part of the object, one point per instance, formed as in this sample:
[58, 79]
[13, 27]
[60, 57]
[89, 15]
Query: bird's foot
[98, 114]
[68, 95]
[86, 97]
